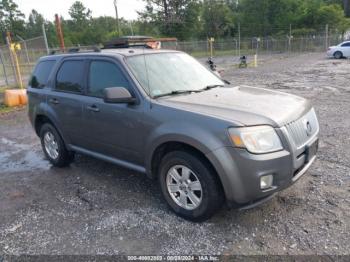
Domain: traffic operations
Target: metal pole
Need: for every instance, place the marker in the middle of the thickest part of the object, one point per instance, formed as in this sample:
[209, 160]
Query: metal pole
[45, 38]
[8, 42]
[290, 39]
[132, 30]
[25, 48]
[239, 39]
[3, 67]
[327, 28]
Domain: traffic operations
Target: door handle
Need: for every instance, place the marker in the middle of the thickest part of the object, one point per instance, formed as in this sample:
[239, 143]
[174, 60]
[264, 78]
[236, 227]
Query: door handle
[93, 108]
[54, 101]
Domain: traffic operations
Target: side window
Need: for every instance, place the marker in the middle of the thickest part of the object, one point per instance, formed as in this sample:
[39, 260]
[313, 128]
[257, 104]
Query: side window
[70, 76]
[41, 74]
[103, 74]
[346, 44]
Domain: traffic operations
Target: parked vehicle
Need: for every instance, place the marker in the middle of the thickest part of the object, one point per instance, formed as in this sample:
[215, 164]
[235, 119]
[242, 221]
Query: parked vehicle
[164, 114]
[339, 51]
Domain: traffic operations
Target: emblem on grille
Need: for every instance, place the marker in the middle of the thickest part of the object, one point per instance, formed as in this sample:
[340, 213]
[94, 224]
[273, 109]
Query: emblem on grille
[308, 127]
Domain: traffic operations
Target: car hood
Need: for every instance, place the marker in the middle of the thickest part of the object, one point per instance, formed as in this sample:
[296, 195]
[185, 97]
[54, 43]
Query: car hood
[243, 105]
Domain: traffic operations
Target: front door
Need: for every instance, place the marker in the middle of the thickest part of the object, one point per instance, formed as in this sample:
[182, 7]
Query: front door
[112, 129]
[346, 49]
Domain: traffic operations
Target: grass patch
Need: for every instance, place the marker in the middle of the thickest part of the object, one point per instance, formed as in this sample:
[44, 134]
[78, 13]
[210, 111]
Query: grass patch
[6, 109]
[2, 89]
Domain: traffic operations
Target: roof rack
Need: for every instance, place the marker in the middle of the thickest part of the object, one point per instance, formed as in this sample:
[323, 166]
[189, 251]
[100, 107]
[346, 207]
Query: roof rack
[137, 41]
[77, 50]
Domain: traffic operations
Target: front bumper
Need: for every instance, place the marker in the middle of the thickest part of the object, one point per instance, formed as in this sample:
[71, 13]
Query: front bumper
[240, 171]
[330, 53]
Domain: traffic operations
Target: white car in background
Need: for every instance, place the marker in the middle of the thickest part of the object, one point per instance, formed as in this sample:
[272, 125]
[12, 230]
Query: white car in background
[339, 51]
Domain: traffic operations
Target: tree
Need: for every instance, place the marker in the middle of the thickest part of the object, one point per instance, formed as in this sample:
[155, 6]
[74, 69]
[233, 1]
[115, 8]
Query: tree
[179, 18]
[80, 15]
[218, 19]
[34, 25]
[11, 18]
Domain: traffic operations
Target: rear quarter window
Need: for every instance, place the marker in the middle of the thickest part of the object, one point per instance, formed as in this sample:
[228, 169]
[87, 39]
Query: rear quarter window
[41, 74]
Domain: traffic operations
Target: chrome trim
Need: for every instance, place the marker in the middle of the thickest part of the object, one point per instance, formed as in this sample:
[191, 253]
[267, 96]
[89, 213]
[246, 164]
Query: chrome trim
[303, 171]
[297, 132]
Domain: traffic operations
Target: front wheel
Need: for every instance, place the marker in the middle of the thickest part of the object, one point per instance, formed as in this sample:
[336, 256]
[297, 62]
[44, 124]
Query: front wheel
[338, 55]
[54, 147]
[190, 186]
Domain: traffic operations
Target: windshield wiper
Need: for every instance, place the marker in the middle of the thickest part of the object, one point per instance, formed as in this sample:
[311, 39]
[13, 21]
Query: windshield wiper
[209, 87]
[177, 92]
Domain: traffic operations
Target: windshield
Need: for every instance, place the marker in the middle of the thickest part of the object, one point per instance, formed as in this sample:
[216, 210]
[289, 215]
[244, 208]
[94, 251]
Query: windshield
[171, 72]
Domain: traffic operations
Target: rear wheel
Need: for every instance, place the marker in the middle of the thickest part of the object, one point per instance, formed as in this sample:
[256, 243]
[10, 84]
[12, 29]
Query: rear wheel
[338, 55]
[54, 147]
[190, 186]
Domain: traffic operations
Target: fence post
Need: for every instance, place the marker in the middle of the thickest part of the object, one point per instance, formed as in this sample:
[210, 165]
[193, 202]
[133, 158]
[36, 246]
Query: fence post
[290, 39]
[8, 42]
[239, 39]
[25, 48]
[327, 28]
[4, 67]
[45, 38]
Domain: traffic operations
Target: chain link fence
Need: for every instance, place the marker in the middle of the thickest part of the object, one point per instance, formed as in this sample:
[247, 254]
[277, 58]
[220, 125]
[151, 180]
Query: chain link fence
[32, 49]
[252, 46]
[27, 53]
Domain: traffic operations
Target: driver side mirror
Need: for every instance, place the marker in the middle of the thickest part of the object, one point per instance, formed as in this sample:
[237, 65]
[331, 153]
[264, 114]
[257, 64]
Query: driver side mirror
[118, 95]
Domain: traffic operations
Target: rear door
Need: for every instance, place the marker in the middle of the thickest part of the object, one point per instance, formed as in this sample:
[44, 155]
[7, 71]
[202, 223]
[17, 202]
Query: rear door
[37, 86]
[113, 129]
[65, 99]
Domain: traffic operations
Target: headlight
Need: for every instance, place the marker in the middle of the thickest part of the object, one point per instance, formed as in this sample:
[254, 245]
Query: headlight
[257, 140]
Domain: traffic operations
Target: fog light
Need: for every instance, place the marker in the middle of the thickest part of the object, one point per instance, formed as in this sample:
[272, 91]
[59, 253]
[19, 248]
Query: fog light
[266, 182]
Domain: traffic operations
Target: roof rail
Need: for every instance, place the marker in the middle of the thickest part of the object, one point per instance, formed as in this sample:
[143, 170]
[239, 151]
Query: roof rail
[77, 50]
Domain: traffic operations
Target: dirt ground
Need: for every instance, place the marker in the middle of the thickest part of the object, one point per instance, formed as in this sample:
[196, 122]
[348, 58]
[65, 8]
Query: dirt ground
[94, 207]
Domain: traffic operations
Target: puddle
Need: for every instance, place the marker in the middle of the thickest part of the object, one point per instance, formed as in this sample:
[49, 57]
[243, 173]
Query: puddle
[20, 157]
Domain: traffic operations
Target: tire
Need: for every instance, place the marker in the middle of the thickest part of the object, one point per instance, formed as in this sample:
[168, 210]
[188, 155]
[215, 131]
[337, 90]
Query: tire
[338, 55]
[206, 202]
[54, 147]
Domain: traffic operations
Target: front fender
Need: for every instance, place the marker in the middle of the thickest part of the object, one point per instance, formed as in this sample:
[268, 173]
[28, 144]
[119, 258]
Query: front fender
[203, 140]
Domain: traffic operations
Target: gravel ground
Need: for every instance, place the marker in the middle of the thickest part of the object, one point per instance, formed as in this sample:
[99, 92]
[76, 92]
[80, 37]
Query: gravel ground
[94, 207]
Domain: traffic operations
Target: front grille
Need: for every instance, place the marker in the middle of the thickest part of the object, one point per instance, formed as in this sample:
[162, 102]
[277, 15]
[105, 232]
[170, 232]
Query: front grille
[303, 129]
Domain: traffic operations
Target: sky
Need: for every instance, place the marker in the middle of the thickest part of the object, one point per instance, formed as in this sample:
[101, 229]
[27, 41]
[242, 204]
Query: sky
[48, 8]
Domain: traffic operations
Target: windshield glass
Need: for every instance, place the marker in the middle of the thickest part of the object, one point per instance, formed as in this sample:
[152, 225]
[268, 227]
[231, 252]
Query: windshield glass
[170, 72]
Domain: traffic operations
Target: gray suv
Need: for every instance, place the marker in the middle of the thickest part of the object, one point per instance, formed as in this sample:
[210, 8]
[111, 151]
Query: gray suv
[164, 114]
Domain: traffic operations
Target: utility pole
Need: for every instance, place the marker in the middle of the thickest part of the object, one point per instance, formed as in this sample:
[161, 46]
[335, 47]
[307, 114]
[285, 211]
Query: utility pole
[117, 17]
[59, 32]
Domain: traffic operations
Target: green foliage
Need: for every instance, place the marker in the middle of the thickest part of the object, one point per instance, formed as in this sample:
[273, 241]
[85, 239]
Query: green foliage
[11, 18]
[218, 19]
[186, 20]
[179, 18]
